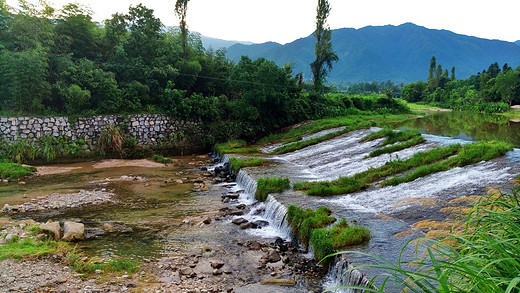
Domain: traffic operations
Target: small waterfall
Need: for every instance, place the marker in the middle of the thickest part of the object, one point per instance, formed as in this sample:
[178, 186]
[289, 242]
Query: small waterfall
[338, 276]
[275, 214]
[224, 159]
[248, 184]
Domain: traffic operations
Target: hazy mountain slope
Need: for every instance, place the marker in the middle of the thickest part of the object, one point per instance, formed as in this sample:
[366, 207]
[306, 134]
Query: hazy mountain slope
[399, 53]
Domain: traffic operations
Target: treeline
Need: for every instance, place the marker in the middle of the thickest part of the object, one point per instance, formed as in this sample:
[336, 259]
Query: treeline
[366, 88]
[61, 62]
[491, 91]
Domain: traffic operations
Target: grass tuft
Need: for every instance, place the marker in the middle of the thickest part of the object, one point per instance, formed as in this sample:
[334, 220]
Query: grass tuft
[13, 171]
[234, 146]
[237, 164]
[270, 185]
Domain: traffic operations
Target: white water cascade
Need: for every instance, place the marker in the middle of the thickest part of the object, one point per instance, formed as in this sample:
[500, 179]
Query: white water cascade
[342, 273]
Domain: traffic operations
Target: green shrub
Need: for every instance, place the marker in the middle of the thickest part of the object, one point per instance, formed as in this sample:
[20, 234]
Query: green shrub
[111, 140]
[270, 185]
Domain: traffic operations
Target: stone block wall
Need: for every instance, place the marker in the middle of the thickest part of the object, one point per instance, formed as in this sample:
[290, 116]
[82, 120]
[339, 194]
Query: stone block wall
[148, 129]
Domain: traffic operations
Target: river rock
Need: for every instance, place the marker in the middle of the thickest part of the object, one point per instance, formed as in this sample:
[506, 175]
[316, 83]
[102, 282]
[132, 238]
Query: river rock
[273, 256]
[188, 272]
[255, 245]
[239, 221]
[52, 227]
[247, 225]
[216, 264]
[73, 231]
[261, 223]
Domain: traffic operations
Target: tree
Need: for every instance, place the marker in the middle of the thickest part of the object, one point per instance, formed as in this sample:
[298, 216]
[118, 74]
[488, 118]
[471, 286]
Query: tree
[23, 80]
[181, 8]
[323, 51]
[452, 73]
[431, 71]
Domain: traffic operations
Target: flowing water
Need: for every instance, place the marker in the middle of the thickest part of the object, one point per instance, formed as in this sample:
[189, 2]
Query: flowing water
[148, 218]
[390, 210]
[146, 221]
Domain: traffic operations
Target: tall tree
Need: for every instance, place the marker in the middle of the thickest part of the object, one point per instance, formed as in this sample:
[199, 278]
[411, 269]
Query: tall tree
[181, 7]
[323, 51]
[431, 74]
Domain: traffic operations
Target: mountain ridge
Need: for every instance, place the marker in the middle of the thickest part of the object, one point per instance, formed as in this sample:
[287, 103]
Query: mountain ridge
[398, 53]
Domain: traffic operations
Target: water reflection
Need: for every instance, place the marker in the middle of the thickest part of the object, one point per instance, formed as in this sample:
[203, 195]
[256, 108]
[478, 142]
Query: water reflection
[465, 125]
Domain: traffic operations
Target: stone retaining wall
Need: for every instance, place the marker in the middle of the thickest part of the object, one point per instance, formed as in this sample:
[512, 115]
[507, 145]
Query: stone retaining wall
[148, 129]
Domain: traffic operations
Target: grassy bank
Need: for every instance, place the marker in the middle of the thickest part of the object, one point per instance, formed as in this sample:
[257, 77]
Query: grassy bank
[421, 164]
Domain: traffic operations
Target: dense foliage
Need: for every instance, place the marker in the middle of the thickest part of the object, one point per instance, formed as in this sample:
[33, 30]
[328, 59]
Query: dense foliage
[491, 91]
[59, 61]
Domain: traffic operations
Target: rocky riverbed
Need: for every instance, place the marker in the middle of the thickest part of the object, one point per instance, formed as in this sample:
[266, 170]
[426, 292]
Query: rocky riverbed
[216, 255]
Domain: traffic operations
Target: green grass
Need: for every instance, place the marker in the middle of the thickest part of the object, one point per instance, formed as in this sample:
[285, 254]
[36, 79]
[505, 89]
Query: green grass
[13, 171]
[483, 259]
[237, 164]
[119, 266]
[234, 146]
[357, 124]
[344, 185]
[270, 185]
[315, 126]
[397, 147]
[421, 164]
[392, 136]
[161, 159]
[467, 155]
[29, 248]
[343, 235]
[304, 221]
[309, 226]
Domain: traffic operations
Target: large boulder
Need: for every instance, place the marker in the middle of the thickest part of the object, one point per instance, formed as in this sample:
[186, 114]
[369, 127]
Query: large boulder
[52, 228]
[73, 231]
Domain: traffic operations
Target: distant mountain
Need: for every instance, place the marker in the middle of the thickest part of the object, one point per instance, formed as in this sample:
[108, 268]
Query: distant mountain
[398, 53]
[518, 42]
[209, 42]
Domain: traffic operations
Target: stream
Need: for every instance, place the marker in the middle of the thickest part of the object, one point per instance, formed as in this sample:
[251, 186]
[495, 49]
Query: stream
[148, 219]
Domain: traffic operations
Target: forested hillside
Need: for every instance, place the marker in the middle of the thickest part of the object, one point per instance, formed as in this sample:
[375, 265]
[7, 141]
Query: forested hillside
[58, 61]
[396, 53]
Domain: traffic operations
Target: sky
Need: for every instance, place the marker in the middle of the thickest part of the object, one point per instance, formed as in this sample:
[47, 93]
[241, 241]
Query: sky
[284, 21]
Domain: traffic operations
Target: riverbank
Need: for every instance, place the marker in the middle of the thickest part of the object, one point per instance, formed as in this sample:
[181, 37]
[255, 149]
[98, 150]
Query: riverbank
[221, 257]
